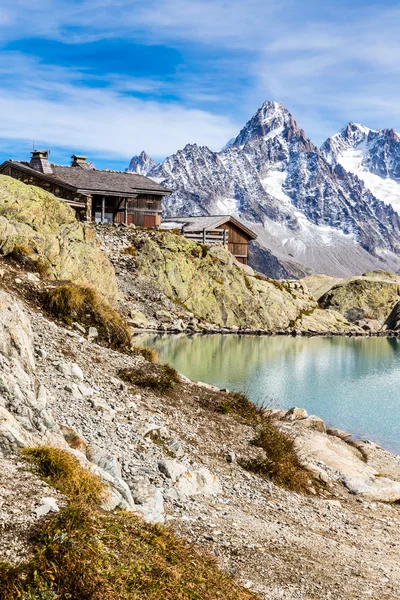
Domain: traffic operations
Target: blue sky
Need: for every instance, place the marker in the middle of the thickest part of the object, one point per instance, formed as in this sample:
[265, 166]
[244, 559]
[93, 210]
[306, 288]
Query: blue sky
[110, 79]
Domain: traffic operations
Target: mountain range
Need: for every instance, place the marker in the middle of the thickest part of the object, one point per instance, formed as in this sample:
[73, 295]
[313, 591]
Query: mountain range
[328, 210]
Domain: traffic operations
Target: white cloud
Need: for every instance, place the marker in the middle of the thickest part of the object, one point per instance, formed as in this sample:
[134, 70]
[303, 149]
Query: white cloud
[51, 106]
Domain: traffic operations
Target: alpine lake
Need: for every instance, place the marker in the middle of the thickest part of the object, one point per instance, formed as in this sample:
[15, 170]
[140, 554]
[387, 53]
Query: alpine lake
[351, 383]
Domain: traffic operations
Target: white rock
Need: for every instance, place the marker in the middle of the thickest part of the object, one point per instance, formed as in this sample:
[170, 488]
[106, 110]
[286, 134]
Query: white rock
[71, 370]
[198, 482]
[76, 372]
[46, 505]
[79, 327]
[311, 422]
[293, 414]
[333, 452]
[74, 390]
[103, 459]
[172, 468]
[148, 501]
[93, 333]
[85, 390]
[190, 482]
[375, 489]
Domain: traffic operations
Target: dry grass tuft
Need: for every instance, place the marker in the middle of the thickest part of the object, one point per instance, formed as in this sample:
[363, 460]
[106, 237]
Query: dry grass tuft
[281, 462]
[239, 404]
[160, 378]
[25, 255]
[131, 250]
[70, 302]
[64, 472]
[149, 354]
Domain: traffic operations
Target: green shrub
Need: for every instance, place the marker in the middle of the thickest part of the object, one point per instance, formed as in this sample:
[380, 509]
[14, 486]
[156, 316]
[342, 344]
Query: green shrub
[281, 463]
[160, 378]
[69, 302]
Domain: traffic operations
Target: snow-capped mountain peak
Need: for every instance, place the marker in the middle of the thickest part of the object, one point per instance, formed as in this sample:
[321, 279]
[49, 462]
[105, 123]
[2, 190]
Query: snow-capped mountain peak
[141, 164]
[269, 120]
[373, 155]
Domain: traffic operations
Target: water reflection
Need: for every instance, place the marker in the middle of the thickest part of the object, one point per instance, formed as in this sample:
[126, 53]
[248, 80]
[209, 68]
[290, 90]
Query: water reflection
[353, 383]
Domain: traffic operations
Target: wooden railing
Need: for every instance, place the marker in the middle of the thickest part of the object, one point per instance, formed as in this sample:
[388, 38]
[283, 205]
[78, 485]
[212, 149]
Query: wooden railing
[207, 236]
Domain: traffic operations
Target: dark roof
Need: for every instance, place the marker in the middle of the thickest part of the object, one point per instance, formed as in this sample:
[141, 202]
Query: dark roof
[207, 222]
[94, 181]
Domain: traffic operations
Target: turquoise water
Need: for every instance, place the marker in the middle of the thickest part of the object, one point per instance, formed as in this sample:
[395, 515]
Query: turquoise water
[353, 384]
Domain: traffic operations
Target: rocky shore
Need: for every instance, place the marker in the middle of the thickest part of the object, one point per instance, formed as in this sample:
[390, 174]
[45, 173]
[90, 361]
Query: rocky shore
[166, 287]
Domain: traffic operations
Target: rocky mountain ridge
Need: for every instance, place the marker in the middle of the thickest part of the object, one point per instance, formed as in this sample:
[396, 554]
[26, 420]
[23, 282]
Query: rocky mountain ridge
[372, 155]
[312, 216]
[141, 164]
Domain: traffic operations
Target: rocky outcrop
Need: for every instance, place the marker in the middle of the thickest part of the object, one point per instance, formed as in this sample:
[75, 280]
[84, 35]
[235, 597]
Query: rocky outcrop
[214, 287]
[372, 155]
[332, 455]
[44, 229]
[141, 164]
[370, 297]
[25, 419]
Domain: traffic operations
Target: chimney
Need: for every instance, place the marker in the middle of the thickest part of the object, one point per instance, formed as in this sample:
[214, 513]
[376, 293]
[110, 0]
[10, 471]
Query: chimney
[40, 161]
[79, 161]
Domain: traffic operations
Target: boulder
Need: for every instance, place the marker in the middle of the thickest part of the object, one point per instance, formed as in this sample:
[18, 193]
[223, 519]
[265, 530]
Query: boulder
[393, 320]
[293, 414]
[190, 482]
[148, 501]
[48, 230]
[311, 422]
[164, 316]
[367, 297]
[103, 459]
[374, 489]
[46, 505]
[333, 452]
[201, 482]
[73, 439]
[171, 468]
[72, 370]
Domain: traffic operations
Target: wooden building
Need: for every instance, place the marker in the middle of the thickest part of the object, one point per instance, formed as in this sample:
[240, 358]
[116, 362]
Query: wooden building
[217, 229]
[100, 196]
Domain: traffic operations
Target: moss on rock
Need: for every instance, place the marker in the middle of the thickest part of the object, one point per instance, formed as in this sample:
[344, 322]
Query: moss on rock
[65, 248]
[363, 297]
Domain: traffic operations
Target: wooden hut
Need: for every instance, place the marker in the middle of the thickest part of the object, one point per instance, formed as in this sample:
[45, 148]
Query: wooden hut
[216, 229]
[100, 196]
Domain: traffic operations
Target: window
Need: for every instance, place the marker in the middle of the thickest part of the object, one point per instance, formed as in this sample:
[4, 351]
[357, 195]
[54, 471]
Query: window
[108, 217]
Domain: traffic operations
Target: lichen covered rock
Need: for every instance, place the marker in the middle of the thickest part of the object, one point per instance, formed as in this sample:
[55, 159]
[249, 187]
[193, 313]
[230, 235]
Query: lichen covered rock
[371, 296]
[211, 285]
[38, 223]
